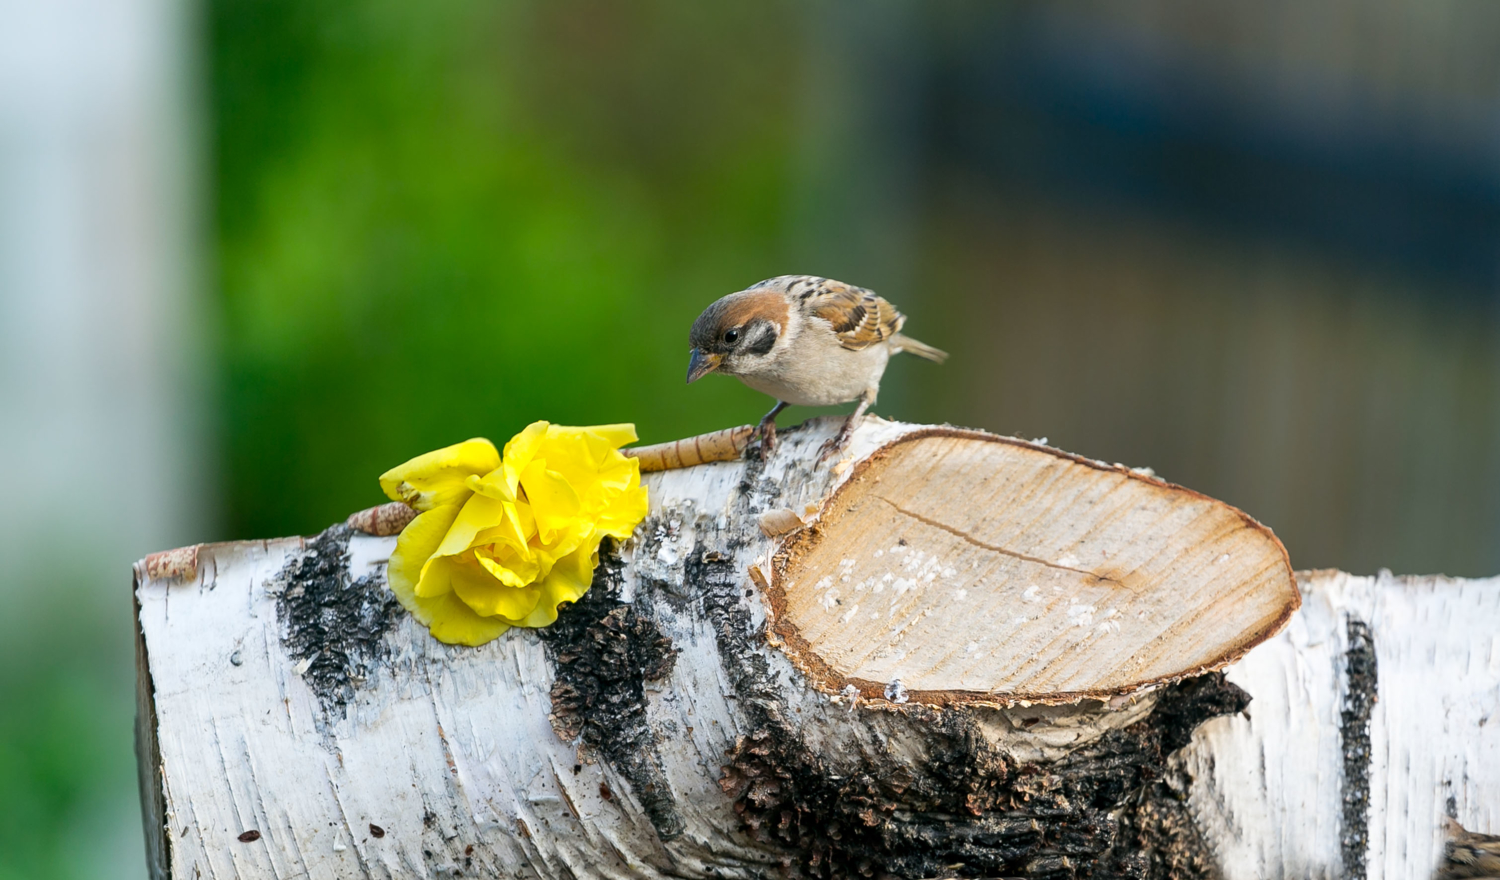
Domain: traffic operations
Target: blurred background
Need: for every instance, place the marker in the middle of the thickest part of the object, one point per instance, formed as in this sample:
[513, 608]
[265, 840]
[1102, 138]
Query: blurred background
[255, 252]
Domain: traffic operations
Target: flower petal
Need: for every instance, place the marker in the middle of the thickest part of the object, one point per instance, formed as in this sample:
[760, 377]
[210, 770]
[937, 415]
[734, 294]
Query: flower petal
[616, 436]
[515, 530]
[485, 555]
[438, 477]
[510, 568]
[491, 484]
[624, 513]
[519, 452]
[479, 513]
[569, 579]
[435, 581]
[570, 452]
[444, 614]
[418, 541]
[553, 501]
[451, 621]
[488, 597]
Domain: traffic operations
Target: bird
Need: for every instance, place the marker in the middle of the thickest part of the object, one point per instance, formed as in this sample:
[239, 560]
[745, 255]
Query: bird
[1468, 854]
[803, 340]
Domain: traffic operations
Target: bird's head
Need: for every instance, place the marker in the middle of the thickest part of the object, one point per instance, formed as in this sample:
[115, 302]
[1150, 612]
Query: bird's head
[738, 334]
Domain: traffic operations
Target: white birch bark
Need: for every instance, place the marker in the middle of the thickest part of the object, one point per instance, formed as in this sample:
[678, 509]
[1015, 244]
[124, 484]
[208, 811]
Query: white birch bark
[712, 709]
[1270, 790]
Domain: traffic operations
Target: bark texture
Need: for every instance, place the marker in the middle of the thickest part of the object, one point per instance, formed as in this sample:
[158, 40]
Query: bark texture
[1372, 730]
[294, 722]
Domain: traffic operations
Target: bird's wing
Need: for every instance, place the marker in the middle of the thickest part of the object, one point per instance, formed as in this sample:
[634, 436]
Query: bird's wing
[859, 317]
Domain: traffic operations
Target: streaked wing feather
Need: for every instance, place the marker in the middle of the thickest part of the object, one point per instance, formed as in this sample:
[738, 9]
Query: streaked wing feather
[859, 317]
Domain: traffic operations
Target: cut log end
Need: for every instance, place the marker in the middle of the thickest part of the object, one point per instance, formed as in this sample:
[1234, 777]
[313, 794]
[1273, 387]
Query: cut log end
[661, 727]
[975, 568]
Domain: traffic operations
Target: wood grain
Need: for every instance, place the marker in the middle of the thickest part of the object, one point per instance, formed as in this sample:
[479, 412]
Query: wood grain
[973, 567]
[510, 759]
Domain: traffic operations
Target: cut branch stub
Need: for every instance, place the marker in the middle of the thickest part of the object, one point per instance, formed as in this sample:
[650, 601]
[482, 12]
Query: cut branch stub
[979, 568]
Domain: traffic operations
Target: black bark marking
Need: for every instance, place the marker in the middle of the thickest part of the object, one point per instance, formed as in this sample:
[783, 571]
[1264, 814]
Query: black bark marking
[1361, 682]
[1114, 809]
[604, 651]
[1110, 810]
[334, 625]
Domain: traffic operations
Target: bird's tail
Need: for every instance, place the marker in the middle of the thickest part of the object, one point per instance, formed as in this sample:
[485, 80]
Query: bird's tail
[920, 349]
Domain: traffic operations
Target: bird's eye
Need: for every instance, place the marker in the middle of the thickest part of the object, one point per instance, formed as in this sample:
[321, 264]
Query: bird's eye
[731, 336]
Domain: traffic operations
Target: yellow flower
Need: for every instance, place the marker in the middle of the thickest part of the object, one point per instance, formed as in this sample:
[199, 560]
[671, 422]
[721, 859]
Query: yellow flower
[500, 541]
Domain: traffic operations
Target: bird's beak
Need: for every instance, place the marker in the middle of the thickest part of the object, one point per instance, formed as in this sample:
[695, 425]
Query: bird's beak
[701, 364]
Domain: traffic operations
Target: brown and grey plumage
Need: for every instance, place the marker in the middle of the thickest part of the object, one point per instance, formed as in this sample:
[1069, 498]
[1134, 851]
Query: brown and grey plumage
[1469, 855]
[803, 340]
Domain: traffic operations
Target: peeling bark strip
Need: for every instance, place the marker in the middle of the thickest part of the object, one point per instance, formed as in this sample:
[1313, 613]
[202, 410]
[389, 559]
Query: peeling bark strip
[333, 626]
[1360, 693]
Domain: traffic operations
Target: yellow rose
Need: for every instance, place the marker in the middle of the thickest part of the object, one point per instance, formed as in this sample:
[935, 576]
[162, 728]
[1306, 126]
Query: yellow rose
[500, 541]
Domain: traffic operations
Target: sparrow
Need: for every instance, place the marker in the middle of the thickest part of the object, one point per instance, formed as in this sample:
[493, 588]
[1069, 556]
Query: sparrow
[1468, 854]
[805, 340]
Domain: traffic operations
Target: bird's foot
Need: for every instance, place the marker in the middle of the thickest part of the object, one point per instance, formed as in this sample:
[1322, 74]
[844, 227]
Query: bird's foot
[766, 431]
[840, 441]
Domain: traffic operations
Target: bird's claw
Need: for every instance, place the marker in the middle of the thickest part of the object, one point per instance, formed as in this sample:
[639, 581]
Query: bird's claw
[835, 444]
[766, 431]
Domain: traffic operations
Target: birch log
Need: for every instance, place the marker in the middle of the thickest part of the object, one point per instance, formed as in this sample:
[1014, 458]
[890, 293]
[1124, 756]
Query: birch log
[1372, 734]
[946, 654]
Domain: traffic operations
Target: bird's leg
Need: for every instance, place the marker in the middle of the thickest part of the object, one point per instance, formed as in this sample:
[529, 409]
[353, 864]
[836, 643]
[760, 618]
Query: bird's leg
[767, 429]
[841, 440]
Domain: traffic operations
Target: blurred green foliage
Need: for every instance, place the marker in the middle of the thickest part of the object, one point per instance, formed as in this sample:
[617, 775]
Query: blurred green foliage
[59, 765]
[432, 221]
[440, 220]
[67, 767]
[445, 220]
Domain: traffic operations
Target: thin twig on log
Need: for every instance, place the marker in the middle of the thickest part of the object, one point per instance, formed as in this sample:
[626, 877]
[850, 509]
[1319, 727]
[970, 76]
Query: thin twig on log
[820, 671]
[726, 445]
